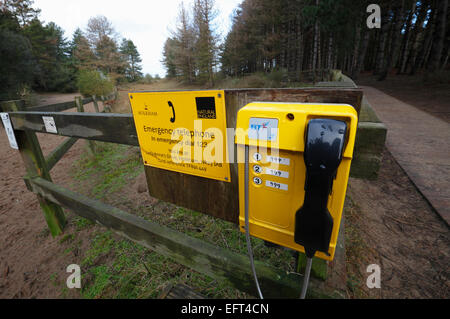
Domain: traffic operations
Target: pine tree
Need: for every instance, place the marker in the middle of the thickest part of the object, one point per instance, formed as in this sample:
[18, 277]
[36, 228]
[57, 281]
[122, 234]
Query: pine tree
[82, 56]
[22, 10]
[184, 43]
[133, 68]
[169, 56]
[206, 48]
[109, 60]
[50, 51]
[102, 41]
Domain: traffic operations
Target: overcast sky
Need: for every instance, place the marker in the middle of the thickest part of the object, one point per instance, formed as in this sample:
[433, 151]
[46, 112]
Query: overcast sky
[145, 22]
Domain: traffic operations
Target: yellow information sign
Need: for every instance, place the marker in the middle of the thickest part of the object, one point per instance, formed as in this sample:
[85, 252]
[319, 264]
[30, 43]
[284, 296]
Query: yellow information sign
[183, 131]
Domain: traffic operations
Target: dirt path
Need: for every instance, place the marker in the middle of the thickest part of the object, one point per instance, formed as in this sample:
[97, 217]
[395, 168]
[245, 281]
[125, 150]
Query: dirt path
[420, 144]
[430, 97]
[400, 232]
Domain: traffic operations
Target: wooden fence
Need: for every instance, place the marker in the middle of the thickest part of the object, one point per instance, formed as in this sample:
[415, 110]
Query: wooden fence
[201, 256]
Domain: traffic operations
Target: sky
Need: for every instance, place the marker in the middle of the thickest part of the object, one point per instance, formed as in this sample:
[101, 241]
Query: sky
[146, 22]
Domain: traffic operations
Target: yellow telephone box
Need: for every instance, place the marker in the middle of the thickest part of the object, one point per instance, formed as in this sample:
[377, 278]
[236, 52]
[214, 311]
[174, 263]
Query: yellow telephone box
[294, 163]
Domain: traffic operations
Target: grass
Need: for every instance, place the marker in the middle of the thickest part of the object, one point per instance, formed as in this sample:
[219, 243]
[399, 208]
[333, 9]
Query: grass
[82, 223]
[112, 166]
[119, 268]
[67, 237]
[113, 267]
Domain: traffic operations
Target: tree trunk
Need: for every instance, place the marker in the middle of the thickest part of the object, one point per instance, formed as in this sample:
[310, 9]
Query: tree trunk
[330, 52]
[438, 37]
[384, 32]
[299, 60]
[444, 64]
[415, 39]
[428, 33]
[361, 55]
[314, 49]
[356, 48]
[406, 40]
[319, 55]
[397, 26]
[316, 36]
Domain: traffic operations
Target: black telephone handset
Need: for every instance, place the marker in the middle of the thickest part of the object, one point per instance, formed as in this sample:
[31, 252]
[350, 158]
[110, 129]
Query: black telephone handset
[172, 119]
[325, 139]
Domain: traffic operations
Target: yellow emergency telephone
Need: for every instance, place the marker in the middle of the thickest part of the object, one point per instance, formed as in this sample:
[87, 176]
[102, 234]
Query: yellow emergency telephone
[294, 162]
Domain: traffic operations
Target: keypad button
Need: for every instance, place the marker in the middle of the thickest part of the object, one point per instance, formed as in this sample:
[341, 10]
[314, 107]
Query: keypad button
[257, 180]
[257, 157]
[257, 169]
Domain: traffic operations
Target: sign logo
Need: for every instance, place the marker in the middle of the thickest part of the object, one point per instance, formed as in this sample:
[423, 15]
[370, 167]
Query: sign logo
[259, 127]
[263, 129]
[146, 111]
[206, 107]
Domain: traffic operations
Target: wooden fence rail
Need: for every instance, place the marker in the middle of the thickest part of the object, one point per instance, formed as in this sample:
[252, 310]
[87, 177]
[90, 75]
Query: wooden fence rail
[105, 127]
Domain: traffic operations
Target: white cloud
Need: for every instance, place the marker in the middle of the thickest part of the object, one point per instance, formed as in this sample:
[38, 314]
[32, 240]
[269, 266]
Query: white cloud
[146, 23]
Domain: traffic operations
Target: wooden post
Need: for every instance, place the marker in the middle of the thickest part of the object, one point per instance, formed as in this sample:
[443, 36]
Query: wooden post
[94, 99]
[35, 164]
[79, 103]
[80, 108]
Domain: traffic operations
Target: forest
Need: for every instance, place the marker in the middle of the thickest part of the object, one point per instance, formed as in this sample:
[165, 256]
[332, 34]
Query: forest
[293, 36]
[35, 56]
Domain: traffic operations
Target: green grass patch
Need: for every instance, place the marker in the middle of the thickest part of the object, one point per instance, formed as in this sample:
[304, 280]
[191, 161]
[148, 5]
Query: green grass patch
[82, 223]
[132, 271]
[67, 237]
[108, 169]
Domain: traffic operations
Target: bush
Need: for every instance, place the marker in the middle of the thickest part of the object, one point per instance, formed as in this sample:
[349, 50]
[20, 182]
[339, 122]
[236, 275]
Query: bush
[94, 83]
[256, 80]
[147, 79]
[17, 67]
[277, 77]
